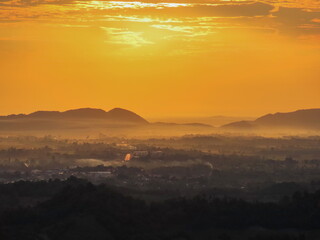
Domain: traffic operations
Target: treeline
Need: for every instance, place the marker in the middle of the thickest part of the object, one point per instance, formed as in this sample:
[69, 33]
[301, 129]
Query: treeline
[76, 209]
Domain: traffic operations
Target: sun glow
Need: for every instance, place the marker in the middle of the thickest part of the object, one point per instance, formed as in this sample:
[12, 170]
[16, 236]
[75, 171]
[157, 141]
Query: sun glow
[184, 57]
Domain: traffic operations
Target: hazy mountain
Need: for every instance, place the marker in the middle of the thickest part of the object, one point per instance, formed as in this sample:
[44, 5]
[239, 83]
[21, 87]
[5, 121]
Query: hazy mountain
[211, 120]
[240, 125]
[166, 124]
[115, 115]
[308, 119]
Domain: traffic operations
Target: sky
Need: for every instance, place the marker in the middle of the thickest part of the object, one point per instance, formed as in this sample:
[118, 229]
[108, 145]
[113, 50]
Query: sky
[172, 58]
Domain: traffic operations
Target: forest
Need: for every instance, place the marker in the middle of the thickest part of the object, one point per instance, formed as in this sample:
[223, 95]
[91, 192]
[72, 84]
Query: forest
[77, 209]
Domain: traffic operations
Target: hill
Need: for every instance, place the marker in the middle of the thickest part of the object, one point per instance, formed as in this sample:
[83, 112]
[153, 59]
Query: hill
[307, 119]
[116, 114]
[91, 121]
[72, 120]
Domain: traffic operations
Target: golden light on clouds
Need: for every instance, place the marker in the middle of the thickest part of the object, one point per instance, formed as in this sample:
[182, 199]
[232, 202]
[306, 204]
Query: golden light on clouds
[185, 57]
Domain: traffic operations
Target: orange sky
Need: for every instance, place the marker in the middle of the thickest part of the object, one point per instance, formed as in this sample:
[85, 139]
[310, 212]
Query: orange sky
[182, 58]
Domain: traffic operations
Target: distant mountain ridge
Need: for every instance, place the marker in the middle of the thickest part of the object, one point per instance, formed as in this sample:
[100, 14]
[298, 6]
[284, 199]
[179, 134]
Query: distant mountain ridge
[216, 121]
[167, 124]
[87, 121]
[122, 121]
[116, 115]
[308, 119]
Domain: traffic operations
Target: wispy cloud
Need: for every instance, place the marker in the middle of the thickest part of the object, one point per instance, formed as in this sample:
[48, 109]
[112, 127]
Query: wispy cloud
[125, 37]
[146, 23]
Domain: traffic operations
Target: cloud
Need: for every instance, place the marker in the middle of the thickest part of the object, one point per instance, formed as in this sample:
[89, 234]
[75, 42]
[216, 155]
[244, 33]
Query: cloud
[234, 10]
[204, 10]
[297, 20]
[218, 14]
[295, 16]
[27, 3]
[231, 9]
[125, 37]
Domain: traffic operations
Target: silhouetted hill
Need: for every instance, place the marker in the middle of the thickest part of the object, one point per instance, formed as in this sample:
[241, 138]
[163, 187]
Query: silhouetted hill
[308, 119]
[116, 114]
[90, 121]
[302, 118]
